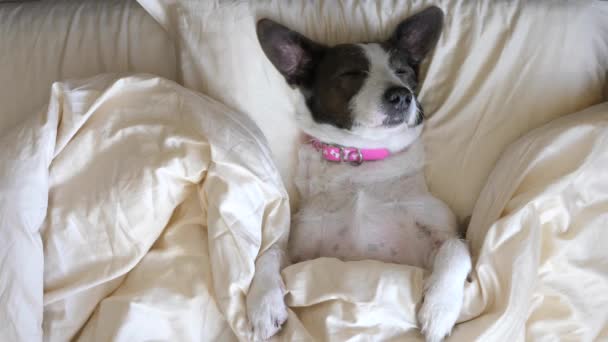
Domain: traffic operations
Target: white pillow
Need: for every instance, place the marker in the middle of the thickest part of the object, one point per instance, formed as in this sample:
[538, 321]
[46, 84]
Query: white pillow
[47, 41]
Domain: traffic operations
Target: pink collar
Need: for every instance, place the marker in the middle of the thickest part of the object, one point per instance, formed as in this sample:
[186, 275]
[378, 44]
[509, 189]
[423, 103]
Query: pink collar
[355, 156]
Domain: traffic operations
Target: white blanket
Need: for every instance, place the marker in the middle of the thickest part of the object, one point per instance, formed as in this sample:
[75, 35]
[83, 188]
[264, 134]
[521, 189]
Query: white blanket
[159, 201]
[156, 201]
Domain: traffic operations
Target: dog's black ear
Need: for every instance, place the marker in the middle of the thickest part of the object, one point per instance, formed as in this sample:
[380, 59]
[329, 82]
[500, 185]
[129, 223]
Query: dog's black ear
[419, 33]
[294, 55]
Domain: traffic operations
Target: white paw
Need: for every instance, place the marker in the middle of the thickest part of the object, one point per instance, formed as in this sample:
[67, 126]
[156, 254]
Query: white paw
[440, 309]
[266, 309]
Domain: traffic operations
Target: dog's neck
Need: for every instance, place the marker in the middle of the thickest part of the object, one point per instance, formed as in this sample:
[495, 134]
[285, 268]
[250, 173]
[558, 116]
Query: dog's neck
[315, 168]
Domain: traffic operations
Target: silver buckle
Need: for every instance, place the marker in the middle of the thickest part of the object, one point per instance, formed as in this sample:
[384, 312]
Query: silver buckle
[356, 162]
[343, 155]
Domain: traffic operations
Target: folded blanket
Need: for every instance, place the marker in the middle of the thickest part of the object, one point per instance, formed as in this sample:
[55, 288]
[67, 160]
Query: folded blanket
[133, 209]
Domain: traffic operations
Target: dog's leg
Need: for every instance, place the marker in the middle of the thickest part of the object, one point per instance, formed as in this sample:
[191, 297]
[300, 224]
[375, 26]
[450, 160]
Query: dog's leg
[266, 307]
[444, 290]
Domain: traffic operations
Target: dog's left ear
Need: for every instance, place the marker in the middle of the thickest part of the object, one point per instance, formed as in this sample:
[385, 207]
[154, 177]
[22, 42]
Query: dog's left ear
[419, 33]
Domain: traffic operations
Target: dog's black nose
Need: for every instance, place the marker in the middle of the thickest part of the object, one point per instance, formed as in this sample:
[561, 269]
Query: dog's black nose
[399, 97]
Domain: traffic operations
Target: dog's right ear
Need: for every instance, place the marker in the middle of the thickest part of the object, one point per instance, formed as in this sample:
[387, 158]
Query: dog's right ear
[419, 33]
[294, 55]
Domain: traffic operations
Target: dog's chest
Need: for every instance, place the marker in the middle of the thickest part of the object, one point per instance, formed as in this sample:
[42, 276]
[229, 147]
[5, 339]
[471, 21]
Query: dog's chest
[362, 212]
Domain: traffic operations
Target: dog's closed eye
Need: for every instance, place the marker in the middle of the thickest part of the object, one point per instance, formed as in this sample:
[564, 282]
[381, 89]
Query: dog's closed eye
[352, 74]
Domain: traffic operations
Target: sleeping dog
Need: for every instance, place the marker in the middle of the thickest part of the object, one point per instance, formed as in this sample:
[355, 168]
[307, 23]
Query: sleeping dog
[360, 175]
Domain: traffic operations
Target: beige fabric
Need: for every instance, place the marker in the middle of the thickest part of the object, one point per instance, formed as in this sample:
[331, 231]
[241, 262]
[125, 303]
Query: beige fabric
[542, 263]
[142, 177]
[159, 198]
[136, 165]
[42, 42]
[500, 69]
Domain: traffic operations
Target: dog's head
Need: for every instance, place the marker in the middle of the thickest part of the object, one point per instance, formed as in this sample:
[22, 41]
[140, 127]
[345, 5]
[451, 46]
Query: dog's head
[360, 95]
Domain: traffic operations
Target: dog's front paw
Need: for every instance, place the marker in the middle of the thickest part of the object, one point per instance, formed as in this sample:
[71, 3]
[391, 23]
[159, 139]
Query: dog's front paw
[266, 309]
[440, 309]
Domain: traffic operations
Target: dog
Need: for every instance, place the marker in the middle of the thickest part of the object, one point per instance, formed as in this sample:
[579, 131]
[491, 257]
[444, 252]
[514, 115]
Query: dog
[360, 176]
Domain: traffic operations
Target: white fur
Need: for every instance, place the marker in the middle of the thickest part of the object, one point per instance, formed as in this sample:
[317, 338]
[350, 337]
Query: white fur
[266, 307]
[367, 104]
[379, 210]
[443, 290]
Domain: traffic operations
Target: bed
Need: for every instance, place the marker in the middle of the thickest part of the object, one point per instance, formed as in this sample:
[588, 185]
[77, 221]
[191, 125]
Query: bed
[147, 154]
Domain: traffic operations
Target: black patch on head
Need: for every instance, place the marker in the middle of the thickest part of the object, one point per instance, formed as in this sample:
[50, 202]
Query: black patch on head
[328, 77]
[337, 79]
